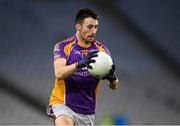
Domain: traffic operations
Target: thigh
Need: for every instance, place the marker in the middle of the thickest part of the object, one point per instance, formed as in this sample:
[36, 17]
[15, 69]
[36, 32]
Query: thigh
[61, 114]
[63, 120]
[85, 120]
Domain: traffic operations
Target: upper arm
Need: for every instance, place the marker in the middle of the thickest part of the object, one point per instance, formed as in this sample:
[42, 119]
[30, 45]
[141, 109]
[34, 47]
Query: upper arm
[59, 57]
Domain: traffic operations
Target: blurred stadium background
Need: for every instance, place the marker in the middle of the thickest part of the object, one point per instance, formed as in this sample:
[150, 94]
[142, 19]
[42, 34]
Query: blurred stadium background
[143, 37]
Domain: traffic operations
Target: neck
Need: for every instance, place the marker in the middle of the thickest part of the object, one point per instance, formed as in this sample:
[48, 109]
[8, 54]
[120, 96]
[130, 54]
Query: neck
[83, 43]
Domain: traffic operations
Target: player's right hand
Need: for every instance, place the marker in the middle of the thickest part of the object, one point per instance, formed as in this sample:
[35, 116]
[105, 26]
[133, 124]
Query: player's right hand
[84, 62]
[111, 76]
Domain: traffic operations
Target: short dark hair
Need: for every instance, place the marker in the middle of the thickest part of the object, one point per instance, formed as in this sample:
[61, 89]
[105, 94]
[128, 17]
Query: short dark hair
[85, 13]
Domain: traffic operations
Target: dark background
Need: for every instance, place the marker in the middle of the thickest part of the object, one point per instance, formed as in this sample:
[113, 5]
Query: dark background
[142, 35]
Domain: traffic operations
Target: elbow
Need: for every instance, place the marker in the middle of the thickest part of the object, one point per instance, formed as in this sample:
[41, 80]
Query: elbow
[59, 75]
[113, 87]
[114, 84]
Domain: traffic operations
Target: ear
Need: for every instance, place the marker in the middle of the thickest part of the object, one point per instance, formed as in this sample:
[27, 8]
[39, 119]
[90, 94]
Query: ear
[78, 27]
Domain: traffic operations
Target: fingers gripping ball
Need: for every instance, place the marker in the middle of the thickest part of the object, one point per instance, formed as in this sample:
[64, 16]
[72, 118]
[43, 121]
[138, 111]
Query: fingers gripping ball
[84, 62]
[102, 65]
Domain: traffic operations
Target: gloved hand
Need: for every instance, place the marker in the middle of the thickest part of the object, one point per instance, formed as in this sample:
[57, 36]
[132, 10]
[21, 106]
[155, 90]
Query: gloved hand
[84, 62]
[111, 76]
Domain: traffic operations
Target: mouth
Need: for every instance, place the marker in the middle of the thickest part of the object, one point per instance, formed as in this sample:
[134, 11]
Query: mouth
[91, 36]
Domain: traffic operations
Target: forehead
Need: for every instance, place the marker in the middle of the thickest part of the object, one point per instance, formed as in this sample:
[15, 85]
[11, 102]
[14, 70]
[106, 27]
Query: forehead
[90, 21]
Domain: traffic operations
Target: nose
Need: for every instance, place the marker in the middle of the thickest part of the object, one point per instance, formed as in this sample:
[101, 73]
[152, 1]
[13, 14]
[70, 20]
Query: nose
[94, 31]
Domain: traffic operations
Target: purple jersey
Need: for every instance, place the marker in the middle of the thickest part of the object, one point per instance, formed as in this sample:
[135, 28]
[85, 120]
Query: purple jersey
[78, 91]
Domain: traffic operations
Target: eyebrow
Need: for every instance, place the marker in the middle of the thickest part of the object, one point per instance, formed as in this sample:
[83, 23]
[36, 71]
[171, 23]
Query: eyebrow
[92, 25]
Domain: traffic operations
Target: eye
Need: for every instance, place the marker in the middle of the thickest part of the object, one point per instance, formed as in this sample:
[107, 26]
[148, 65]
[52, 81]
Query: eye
[96, 26]
[89, 27]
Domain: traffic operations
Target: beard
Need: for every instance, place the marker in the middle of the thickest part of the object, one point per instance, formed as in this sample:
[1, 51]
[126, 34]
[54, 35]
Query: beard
[87, 40]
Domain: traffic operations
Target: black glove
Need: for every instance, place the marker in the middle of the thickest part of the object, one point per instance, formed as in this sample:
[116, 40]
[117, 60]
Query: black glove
[84, 62]
[111, 76]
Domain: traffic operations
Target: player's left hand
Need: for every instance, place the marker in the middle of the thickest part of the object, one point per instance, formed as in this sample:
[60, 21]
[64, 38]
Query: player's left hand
[111, 76]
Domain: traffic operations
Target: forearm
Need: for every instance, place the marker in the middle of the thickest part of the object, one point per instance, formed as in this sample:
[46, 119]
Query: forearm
[113, 84]
[65, 71]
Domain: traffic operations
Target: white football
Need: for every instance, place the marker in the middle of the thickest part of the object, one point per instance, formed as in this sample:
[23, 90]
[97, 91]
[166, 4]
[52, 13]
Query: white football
[102, 66]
